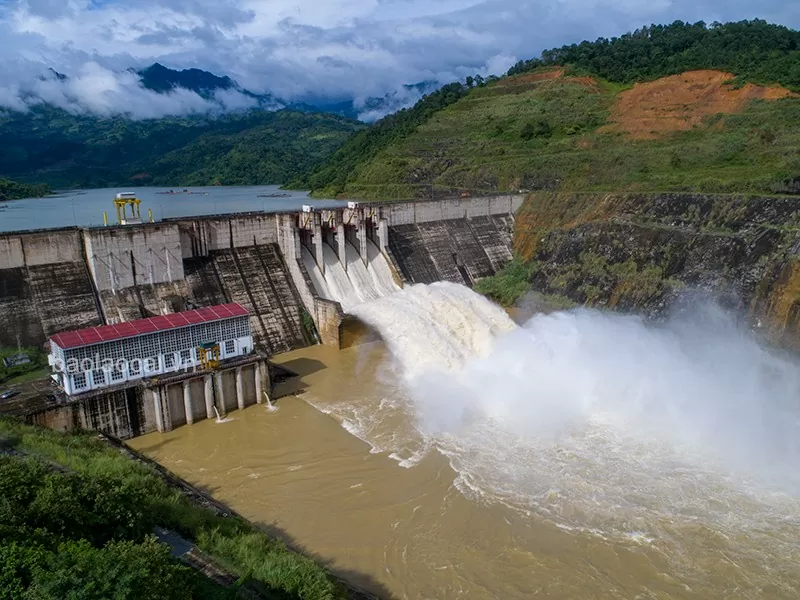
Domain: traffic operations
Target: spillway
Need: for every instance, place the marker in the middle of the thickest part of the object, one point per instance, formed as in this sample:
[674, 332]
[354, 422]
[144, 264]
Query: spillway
[358, 284]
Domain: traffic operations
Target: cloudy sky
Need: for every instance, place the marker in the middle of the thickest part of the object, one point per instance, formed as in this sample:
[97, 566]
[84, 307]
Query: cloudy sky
[294, 48]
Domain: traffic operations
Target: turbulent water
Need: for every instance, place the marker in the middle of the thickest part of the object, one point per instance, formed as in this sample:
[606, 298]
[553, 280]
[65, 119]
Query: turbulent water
[599, 420]
[665, 455]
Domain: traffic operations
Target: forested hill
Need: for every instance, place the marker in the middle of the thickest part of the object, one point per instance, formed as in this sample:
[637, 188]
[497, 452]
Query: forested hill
[559, 121]
[11, 190]
[755, 51]
[64, 150]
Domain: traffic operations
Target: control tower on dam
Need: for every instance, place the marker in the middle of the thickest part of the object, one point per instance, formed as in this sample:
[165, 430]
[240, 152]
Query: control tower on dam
[71, 278]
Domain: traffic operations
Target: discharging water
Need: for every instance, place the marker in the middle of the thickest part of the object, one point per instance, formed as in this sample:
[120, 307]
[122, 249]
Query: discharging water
[582, 455]
[356, 284]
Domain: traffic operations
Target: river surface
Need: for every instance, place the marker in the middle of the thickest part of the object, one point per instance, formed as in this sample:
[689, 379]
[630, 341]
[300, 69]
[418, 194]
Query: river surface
[85, 208]
[553, 463]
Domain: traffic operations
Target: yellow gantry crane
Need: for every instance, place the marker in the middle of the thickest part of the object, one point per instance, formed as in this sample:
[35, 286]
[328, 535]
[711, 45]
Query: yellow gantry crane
[208, 354]
[121, 203]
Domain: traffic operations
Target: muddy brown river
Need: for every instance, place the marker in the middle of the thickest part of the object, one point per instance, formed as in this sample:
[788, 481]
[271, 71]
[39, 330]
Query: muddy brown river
[344, 469]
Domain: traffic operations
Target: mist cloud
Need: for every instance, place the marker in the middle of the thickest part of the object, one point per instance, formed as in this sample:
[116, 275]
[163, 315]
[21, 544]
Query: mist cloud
[294, 49]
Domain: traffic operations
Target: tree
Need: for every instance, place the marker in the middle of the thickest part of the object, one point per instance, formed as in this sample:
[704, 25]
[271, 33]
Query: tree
[119, 571]
[539, 129]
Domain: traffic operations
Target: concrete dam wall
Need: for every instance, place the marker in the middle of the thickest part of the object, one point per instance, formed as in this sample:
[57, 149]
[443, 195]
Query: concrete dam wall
[63, 279]
[45, 286]
[457, 250]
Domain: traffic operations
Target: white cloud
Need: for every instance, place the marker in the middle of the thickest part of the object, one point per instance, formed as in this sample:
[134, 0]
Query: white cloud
[294, 49]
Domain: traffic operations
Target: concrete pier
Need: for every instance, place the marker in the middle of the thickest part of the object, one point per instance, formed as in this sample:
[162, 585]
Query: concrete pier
[239, 389]
[318, 241]
[259, 389]
[187, 403]
[342, 244]
[220, 394]
[156, 396]
[208, 388]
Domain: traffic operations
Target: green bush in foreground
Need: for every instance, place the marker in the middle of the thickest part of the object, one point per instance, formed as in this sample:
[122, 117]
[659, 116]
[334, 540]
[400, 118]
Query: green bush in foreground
[62, 531]
[508, 285]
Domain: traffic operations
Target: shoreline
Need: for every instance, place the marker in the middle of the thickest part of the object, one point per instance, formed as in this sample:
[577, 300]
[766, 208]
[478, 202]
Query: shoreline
[206, 501]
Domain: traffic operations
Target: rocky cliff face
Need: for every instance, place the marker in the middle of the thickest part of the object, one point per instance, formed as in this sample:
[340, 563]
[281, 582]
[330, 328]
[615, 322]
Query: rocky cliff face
[645, 252]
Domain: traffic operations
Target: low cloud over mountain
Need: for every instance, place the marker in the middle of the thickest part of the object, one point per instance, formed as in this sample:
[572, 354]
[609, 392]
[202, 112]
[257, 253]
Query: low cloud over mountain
[338, 50]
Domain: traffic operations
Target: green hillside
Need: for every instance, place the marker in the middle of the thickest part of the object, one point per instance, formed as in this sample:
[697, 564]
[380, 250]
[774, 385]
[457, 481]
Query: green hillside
[536, 130]
[66, 151]
[12, 190]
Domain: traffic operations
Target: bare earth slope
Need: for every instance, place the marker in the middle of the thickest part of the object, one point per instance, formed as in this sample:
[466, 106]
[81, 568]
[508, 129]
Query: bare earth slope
[681, 102]
[548, 130]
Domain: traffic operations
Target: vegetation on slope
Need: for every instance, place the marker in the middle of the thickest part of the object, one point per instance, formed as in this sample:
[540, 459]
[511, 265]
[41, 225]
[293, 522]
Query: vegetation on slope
[755, 51]
[11, 190]
[550, 128]
[550, 135]
[331, 179]
[81, 529]
[258, 147]
[509, 284]
[36, 368]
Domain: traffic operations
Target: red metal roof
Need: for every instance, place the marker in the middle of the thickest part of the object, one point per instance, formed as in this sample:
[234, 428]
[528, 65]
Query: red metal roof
[108, 333]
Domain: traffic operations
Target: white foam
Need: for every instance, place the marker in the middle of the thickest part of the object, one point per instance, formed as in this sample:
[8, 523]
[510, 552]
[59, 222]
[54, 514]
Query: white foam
[357, 284]
[598, 422]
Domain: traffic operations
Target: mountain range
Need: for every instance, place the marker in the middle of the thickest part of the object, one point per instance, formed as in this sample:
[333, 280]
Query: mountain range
[163, 80]
[719, 113]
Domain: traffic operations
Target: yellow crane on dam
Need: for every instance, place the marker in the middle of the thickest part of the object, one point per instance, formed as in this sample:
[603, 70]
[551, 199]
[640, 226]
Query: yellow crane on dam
[122, 202]
[209, 355]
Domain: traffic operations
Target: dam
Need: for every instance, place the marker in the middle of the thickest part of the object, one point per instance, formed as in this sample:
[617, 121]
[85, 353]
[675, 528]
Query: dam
[462, 454]
[298, 274]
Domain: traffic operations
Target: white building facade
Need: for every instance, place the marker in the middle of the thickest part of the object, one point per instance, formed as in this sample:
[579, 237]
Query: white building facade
[110, 355]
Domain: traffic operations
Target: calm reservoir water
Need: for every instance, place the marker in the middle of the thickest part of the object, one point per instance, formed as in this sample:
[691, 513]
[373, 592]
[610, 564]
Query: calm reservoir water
[85, 207]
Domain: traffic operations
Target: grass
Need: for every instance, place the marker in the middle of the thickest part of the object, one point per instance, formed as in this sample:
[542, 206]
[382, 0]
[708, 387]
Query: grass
[37, 369]
[508, 285]
[537, 136]
[235, 543]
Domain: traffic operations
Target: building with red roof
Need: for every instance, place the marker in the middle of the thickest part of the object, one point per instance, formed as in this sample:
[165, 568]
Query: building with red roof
[109, 355]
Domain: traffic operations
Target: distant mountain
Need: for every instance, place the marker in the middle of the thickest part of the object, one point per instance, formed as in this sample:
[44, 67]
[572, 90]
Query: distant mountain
[266, 141]
[160, 79]
[64, 150]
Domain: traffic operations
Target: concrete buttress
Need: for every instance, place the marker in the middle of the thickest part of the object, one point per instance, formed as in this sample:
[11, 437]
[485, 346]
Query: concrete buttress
[187, 402]
[220, 394]
[239, 388]
[209, 396]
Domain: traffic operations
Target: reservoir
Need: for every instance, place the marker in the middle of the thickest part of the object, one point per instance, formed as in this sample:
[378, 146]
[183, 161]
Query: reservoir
[84, 208]
[577, 455]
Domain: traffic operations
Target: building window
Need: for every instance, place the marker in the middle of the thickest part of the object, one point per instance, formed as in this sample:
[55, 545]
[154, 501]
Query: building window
[151, 364]
[134, 368]
[186, 357]
[79, 381]
[99, 377]
[230, 347]
[169, 361]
